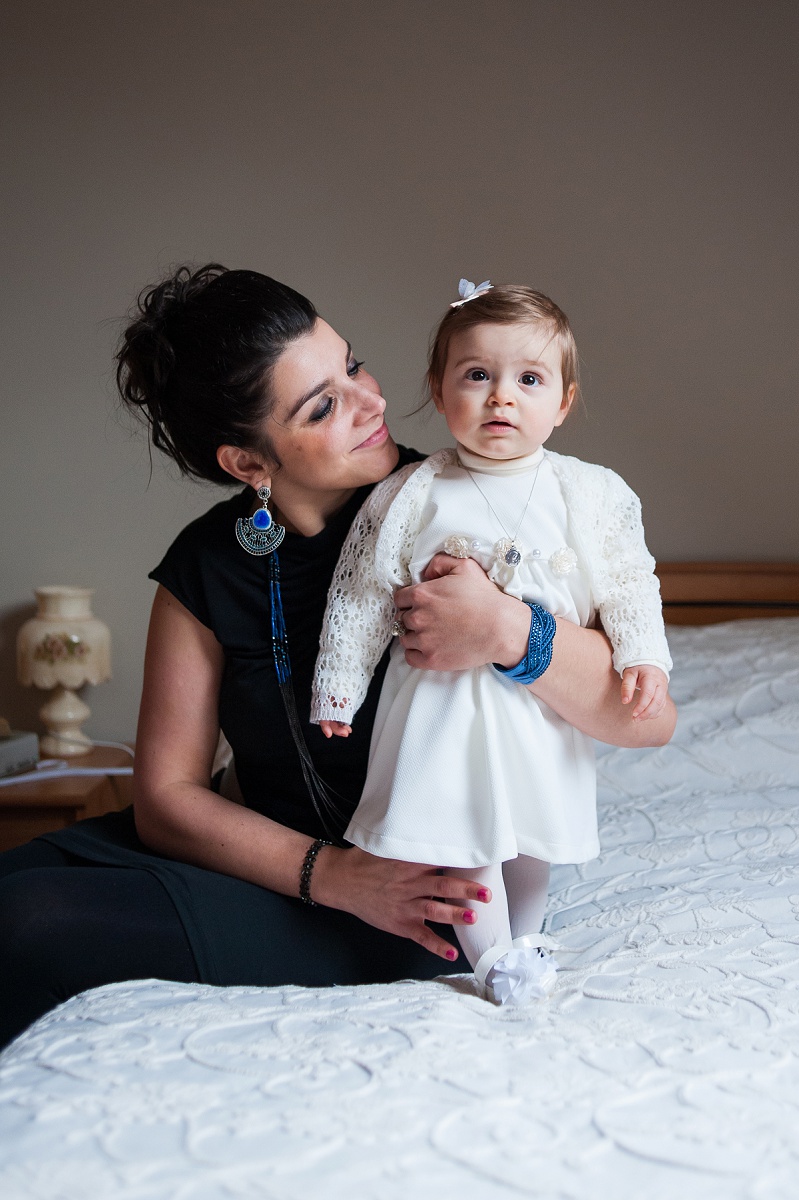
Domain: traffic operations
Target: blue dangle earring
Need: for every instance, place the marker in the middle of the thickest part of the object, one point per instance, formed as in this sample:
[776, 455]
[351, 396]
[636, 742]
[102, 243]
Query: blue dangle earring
[259, 534]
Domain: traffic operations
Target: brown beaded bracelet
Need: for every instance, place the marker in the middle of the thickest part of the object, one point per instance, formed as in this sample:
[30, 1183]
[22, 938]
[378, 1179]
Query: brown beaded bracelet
[308, 864]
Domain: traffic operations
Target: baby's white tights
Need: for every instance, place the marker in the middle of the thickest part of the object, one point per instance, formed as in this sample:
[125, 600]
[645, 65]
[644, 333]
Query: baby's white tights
[519, 890]
[527, 887]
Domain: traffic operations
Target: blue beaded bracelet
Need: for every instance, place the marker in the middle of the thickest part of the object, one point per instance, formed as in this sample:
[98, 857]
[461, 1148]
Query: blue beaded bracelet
[539, 647]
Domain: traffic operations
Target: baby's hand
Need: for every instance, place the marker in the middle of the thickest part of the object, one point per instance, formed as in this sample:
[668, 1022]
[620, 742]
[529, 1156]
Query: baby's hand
[653, 685]
[329, 728]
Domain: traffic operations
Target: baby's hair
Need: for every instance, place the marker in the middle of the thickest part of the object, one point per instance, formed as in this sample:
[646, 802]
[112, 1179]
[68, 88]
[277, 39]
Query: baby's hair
[507, 304]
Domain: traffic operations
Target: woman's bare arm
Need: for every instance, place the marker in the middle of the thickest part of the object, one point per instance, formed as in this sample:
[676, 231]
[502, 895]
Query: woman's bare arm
[176, 812]
[178, 815]
[458, 619]
[583, 687]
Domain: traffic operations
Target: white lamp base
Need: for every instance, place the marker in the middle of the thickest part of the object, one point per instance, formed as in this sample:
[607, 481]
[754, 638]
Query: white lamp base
[63, 715]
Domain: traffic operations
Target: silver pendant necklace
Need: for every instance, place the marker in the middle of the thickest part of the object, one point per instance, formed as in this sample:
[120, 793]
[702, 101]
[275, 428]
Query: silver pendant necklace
[508, 549]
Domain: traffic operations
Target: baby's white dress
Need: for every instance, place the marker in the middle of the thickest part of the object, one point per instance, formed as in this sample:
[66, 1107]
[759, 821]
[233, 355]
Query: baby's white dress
[468, 768]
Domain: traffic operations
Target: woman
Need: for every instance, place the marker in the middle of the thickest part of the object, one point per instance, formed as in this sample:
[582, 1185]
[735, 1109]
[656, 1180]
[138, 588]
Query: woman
[240, 379]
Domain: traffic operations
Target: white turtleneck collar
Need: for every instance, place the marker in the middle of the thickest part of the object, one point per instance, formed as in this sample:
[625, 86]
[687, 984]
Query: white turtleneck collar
[499, 466]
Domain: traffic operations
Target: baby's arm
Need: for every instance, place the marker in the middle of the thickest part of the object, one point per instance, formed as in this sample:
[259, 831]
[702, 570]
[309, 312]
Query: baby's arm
[358, 619]
[630, 609]
[653, 684]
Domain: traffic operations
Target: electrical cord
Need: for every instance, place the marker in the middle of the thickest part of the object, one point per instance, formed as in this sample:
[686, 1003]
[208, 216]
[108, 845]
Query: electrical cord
[59, 768]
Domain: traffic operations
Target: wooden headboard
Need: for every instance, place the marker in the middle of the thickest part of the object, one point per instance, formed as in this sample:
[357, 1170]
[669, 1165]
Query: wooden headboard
[704, 593]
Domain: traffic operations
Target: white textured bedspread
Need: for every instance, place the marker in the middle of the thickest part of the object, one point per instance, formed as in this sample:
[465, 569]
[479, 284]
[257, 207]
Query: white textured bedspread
[666, 1065]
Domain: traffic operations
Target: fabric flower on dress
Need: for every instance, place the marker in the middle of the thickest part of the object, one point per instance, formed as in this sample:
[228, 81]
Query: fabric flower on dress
[506, 546]
[563, 561]
[467, 291]
[457, 546]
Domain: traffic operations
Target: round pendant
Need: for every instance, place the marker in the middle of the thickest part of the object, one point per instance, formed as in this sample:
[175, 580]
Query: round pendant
[513, 557]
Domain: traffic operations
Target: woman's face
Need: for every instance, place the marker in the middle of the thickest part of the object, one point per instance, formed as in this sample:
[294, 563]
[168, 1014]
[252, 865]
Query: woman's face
[326, 423]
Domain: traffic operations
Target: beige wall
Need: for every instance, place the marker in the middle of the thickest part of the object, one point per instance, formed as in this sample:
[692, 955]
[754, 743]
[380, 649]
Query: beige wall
[636, 159]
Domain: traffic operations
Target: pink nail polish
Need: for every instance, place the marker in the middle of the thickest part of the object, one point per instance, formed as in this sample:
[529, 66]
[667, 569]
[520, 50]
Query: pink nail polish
[452, 954]
[482, 894]
[469, 917]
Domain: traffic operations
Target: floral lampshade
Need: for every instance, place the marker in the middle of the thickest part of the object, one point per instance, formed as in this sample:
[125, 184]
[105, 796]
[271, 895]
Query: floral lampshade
[63, 647]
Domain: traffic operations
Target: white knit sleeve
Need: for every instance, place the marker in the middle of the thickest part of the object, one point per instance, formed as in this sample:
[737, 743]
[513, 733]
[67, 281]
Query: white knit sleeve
[359, 613]
[630, 607]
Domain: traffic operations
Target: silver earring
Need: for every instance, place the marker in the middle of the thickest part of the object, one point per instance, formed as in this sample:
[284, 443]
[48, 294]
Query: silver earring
[259, 534]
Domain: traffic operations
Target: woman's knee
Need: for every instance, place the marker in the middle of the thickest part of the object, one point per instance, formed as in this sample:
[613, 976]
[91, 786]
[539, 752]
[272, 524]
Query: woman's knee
[31, 920]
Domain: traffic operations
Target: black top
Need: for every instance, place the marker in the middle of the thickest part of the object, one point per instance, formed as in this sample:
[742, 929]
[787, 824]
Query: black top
[226, 589]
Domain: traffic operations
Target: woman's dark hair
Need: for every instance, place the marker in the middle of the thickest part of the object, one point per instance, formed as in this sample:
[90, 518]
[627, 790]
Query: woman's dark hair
[196, 359]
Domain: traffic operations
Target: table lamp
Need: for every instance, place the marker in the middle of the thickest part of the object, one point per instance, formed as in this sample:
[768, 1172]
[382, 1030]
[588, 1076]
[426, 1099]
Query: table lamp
[63, 647]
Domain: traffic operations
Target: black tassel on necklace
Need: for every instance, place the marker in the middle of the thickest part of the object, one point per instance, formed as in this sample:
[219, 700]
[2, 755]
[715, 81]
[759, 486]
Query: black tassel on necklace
[323, 798]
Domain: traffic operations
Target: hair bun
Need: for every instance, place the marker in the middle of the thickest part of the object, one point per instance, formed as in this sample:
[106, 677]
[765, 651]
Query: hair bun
[167, 298]
[146, 358]
[194, 361]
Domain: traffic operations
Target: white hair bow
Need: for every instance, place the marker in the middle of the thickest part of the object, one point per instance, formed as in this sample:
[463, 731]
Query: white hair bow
[467, 291]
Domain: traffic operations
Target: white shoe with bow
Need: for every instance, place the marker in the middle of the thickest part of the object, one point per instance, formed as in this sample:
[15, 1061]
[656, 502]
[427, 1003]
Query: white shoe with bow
[519, 974]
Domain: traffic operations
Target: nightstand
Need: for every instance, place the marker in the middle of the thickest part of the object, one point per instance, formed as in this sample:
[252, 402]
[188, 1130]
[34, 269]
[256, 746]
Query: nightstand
[28, 809]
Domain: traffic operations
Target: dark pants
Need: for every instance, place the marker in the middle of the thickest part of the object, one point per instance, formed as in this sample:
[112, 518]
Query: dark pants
[67, 924]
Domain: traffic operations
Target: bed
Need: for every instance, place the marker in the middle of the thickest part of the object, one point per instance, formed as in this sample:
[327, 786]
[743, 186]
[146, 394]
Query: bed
[666, 1063]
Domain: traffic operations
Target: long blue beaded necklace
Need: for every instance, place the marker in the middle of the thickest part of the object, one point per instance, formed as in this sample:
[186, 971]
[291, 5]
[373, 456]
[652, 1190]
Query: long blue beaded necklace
[260, 535]
[322, 796]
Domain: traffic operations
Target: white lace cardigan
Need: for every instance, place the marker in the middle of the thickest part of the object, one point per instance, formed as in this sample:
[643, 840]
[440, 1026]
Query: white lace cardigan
[608, 537]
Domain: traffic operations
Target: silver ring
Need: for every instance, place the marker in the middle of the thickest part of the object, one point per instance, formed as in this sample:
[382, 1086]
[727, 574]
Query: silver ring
[398, 629]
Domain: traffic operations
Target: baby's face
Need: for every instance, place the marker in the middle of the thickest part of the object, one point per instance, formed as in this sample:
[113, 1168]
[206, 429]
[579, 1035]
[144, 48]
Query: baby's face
[502, 389]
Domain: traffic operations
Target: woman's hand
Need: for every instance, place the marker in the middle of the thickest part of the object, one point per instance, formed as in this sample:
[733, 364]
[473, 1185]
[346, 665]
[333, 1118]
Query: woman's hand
[457, 619]
[395, 896]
